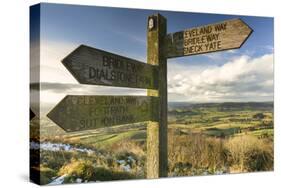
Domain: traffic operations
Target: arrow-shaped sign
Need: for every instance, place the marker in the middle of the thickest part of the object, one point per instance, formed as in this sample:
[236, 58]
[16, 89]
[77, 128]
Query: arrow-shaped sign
[78, 112]
[230, 34]
[97, 67]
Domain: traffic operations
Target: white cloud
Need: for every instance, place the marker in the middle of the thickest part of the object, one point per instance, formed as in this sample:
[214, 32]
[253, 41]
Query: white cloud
[51, 54]
[242, 79]
[221, 55]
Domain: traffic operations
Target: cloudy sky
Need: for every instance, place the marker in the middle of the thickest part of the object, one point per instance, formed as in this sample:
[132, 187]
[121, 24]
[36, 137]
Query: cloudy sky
[245, 74]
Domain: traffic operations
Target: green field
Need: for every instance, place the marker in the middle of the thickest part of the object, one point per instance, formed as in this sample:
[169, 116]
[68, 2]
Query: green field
[211, 138]
[223, 120]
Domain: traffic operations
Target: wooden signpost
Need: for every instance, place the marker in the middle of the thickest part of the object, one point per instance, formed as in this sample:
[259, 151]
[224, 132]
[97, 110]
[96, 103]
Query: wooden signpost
[226, 35]
[157, 151]
[82, 112]
[97, 67]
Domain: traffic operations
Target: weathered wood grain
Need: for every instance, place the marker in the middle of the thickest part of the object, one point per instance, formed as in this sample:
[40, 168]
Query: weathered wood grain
[226, 35]
[157, 155]
[97, 67]
[78, 112]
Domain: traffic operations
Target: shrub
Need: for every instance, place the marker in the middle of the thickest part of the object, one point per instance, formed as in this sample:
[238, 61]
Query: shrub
[128, 146]
[191, 154]
[78, 169]
[259, 116]
[103, 174]
[248, 153]
[46, 174]
[261, 157]
[54, 159]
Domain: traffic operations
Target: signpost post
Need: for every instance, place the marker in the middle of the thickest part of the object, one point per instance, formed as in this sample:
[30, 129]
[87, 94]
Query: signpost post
[157, 154]
[97, 67]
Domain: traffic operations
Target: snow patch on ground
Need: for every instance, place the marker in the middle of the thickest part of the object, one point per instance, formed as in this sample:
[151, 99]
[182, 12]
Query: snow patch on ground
[48, 146]
[59, 180]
